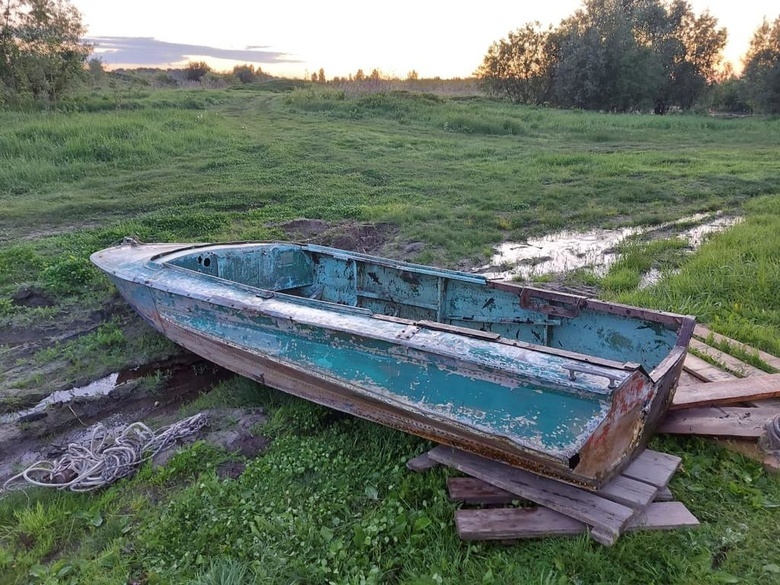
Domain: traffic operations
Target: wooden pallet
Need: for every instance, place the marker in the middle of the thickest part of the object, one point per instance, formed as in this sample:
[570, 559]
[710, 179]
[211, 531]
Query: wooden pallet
[637, 499]
[730, 402]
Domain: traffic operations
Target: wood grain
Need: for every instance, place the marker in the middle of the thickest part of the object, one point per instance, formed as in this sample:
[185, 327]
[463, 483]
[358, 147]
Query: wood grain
[607, 518]
[727, 392]
[523, 523]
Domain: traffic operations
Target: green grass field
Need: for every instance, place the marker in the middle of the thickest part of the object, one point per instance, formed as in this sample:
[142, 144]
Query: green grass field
[331, 501]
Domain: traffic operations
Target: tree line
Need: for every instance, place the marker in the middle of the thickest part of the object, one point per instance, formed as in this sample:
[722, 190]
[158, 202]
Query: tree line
[632, 55]
[611, 55]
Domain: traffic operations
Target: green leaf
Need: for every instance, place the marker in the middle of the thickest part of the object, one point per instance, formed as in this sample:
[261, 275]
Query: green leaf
[421, 523]
[372, 493]
[772, 568]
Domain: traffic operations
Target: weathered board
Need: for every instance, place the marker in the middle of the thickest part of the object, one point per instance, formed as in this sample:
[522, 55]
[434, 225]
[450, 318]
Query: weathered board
[473, 491]
[629, 491]
[664, 495]
[608, 519]
[653, 467]
[523, 523]
[727, 392]
[704, 334]
[421, 463]
[705, 371]
[740, 368]
[470, 490]
[718, 421]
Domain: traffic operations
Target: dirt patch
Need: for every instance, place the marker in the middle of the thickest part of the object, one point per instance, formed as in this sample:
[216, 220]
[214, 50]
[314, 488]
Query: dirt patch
[28, 296]
[367, 238]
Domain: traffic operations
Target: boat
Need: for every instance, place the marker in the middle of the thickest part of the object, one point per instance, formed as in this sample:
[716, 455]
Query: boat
[559, 384]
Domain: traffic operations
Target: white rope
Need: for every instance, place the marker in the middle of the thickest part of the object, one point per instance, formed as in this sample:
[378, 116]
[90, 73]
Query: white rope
[106, 458]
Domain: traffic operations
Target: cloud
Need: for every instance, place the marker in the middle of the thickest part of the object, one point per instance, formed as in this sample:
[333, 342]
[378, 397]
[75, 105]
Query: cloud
[150, 51]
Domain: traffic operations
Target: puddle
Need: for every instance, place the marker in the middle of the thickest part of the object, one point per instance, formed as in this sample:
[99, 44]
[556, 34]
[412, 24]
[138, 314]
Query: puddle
[568, 250]
[185, 376]
[100, 387]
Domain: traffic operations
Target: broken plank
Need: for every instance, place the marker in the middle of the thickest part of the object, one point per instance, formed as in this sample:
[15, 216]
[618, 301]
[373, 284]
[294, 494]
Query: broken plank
[728, 392]
[471, 490]
[705, 371]
[718, 421]
[421, 463]
[523, 523]
[737, 366]
[653, 467]
[705, 334]
[607, 518]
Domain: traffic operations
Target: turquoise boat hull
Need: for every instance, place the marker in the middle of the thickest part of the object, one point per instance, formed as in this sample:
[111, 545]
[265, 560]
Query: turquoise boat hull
[566, 386]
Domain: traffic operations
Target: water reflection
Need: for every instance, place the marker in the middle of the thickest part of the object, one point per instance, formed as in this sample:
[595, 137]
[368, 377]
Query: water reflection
[568, 250]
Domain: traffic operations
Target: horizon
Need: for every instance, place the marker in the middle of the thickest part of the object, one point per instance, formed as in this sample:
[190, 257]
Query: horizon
[434, 39]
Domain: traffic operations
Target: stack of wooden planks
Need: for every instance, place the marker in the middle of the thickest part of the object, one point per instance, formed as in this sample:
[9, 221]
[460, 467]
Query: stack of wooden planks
[731, 401]
[639, 499]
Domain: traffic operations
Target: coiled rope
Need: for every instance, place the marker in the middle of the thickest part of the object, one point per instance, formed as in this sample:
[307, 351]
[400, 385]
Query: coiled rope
[106, 458]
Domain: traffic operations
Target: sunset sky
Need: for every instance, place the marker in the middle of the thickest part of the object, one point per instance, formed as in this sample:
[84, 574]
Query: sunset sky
[297, 37]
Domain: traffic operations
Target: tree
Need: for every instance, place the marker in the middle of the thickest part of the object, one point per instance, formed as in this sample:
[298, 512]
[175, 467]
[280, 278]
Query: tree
[360, 76]
[321, 76]
[614, 55]
[761, 74]
[412, 75]
[519, 66]
[245, 73]
[41, 53]
[96, 70]
[195, 70]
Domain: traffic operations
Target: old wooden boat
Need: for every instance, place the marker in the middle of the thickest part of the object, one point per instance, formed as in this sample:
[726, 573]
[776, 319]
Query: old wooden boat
[560, 384]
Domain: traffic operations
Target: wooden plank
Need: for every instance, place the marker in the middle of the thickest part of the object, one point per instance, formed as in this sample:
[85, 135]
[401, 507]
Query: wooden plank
[740, 368]
[523, 523]
[687, 379]
[471, 490]
[664, 495]
[653, 467]
[420, 463]
[664, 516]
[706, 372]
[607, 518]
[629, 491]
[514, 523]
[728, 392]
[704, 334]
[624, 490]
[718, 421]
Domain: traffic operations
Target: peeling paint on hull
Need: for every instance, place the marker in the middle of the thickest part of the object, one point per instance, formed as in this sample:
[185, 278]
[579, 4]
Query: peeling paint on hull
[566, 386]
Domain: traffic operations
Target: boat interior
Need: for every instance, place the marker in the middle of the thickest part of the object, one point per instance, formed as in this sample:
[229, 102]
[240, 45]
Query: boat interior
[419, 293]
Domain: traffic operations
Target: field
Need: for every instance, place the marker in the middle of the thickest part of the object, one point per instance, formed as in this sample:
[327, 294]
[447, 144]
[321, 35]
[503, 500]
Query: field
[415, 176]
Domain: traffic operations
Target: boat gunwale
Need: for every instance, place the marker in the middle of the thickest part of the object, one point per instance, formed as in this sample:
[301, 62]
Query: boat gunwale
[683, 324]
[363, 312]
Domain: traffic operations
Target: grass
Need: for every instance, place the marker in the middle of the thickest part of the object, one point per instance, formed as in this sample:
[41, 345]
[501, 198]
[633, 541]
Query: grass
[732, 283]
[331, 500]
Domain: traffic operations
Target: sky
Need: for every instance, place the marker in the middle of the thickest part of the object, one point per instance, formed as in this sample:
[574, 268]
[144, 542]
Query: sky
[296, 38]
